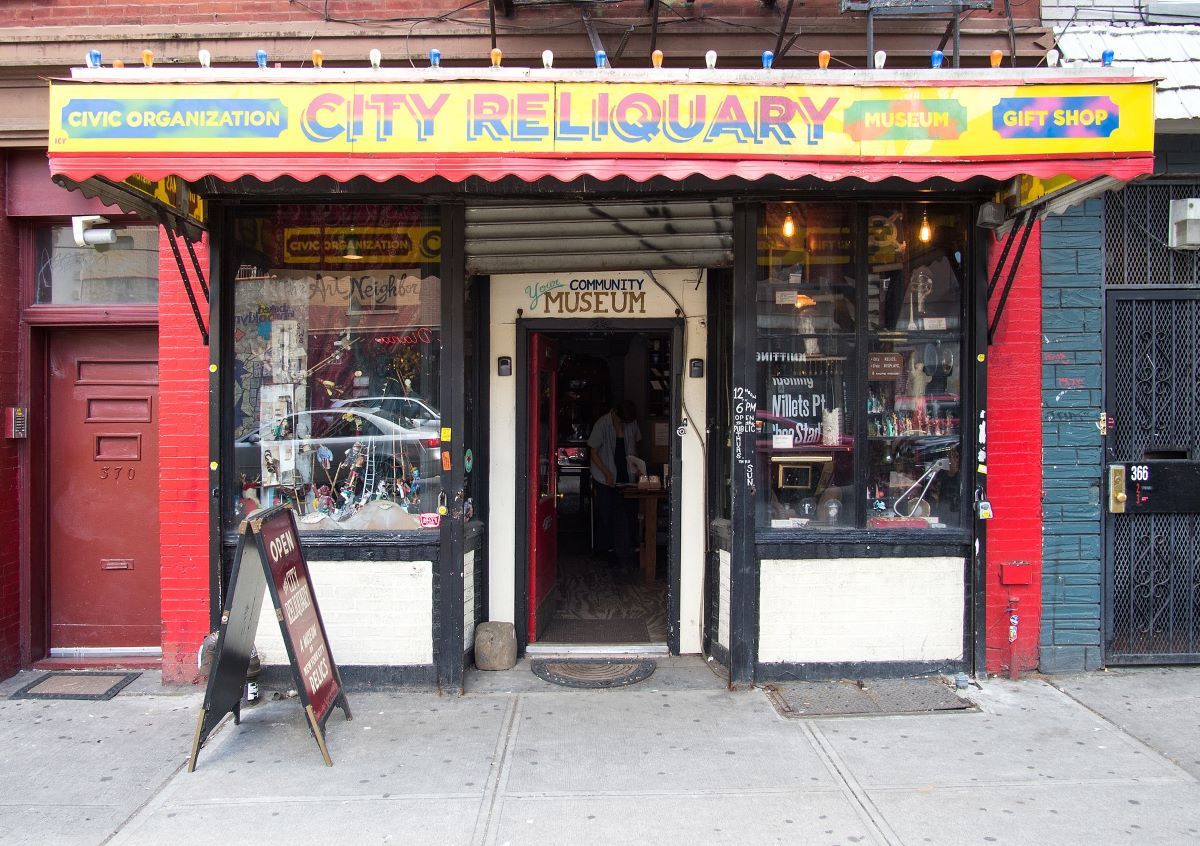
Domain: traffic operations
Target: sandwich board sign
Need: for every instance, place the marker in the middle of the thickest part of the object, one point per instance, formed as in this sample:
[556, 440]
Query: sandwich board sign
[268, 555]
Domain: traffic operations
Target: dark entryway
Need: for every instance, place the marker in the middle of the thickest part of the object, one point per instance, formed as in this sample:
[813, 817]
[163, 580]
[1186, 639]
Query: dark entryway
[598, 569]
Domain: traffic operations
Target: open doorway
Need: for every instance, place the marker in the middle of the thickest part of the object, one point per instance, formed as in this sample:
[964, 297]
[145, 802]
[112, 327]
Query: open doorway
[600, 409]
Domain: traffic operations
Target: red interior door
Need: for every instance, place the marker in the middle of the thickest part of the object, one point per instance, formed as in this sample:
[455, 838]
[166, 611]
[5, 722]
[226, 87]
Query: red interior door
[103, 489]
[543, 480]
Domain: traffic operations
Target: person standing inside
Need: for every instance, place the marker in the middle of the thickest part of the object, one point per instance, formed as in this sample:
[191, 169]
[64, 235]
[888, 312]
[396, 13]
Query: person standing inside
[612, 442]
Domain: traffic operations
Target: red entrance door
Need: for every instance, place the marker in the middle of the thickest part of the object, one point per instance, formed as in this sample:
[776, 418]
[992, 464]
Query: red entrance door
[543, 480]
[103, 489]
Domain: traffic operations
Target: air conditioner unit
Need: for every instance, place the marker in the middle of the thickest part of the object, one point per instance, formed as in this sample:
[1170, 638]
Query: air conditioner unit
[1184, 232]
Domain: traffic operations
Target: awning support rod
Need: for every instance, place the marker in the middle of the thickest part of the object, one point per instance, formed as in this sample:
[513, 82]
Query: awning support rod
[787, 14]
[183, 274]
[196, 266]
[1029, 217]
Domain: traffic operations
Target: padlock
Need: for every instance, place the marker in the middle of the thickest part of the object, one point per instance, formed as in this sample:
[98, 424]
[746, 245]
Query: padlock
[983, 510]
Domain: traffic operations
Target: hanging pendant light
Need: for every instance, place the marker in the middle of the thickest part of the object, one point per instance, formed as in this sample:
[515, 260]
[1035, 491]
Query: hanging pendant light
[789, 226]
[924, 234]
[352, 253]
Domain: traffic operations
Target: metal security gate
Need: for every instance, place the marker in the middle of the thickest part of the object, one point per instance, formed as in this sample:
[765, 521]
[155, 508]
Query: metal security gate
[595, 236]
[1153, 442]
[1153, 455]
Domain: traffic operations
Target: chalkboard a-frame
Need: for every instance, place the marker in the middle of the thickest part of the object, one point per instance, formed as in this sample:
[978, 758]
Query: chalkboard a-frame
[268, 555]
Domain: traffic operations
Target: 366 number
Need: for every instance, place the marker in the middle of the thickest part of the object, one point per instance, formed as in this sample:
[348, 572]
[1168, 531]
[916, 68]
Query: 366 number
[116, 473]
[1139, 473]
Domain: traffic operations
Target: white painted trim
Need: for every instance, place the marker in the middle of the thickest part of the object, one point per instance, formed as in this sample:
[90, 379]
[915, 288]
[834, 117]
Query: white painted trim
[106, 652]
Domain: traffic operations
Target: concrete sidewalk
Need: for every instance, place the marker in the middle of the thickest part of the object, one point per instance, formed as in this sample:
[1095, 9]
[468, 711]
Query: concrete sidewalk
[677, 759]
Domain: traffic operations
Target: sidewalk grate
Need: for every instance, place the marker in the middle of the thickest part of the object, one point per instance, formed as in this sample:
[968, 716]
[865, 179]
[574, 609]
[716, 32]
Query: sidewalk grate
[870, 697]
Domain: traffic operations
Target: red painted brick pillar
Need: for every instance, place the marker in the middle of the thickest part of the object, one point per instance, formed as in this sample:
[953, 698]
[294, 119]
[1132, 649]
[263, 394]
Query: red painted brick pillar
[10, 552]
[183, 467]
[1014, 453]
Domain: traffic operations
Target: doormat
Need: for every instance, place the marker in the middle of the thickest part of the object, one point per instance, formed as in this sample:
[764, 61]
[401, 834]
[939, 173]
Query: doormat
[615, 630]
[595, 673]
[866, 697]
[76, 685]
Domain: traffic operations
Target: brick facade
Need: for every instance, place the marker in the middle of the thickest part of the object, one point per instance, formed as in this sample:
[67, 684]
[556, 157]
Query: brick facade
[1013, 459]
[183, 471]
[1072, 381]
[10, 552]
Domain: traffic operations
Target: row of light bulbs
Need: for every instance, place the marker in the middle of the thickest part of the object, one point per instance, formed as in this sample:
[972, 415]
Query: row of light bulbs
[936, 58]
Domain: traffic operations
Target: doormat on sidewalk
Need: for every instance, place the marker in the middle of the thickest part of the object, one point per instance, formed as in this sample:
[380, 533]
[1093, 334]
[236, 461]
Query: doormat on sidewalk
[614, 630]
[76, 685]
[594, 673]
[867, 697]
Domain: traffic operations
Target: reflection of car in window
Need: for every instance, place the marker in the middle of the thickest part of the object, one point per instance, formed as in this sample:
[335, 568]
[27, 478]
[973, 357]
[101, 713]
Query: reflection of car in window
[410, 408]
[349, 449]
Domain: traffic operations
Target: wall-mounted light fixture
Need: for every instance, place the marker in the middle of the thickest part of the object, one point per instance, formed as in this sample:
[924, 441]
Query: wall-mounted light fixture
[352, 253]
[83, 228]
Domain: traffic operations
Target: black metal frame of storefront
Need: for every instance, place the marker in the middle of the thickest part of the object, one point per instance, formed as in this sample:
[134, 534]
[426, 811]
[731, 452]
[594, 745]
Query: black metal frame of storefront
[746, 544]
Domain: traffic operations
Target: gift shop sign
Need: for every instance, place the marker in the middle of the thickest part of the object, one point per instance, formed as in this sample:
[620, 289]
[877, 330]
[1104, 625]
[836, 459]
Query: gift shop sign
[627, 119]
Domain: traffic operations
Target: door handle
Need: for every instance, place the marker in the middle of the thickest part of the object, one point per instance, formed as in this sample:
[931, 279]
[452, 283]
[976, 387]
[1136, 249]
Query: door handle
[1116, 489]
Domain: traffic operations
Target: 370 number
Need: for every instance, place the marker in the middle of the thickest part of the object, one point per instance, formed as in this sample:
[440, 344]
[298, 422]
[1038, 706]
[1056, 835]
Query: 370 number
[116, 473]
[1139, 473]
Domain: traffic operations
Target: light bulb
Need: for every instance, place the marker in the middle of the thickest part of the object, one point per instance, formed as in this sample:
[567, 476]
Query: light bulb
[768, 59]
[205, 58]
[924, 234]
[260, 57]
[547, 58]
[880, 59]
[435, 58]
[936, 58]
[823, 60]
[601, 59]
[118, 63]
[656, 58]
[789, 226]
[1106, 58]
[710, 59]
[1052, 57]
[496, 55]
[147, 58]
[93, 58]
[996, 58]
[375, 57]
[318, 59]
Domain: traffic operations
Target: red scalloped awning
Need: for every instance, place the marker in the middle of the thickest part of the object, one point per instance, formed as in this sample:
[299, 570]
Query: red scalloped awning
[381, 168]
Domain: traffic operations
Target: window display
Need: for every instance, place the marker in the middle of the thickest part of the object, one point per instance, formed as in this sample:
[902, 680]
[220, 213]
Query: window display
[859, 368]
[336, 347]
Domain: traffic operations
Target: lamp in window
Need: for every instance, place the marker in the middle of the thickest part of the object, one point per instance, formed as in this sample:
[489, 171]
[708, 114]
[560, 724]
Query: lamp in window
[804, 301]
[352, 253]
[789, 226]
[925, 233]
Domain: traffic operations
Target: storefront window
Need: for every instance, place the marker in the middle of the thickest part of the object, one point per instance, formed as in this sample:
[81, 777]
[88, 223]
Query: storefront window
[336, 347]
[859, 367]
[122, 273]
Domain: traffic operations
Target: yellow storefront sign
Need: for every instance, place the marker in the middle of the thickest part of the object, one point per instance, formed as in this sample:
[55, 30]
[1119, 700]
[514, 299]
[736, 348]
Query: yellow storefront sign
[604, 119]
